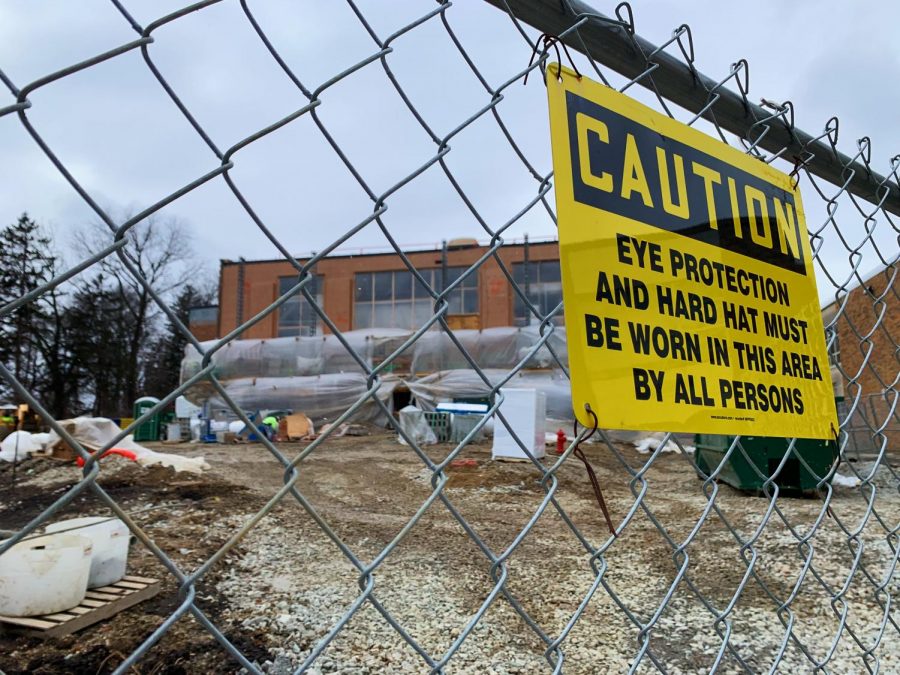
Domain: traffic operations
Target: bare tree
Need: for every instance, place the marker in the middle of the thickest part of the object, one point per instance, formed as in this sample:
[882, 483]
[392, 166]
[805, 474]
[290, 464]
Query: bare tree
[156, 260]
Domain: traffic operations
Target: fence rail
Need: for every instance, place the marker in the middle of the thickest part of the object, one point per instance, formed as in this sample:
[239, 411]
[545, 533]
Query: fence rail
[805, 584]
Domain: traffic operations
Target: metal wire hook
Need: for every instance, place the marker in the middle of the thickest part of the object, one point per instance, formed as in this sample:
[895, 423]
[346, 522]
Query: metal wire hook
[579, 453]
[548, 42]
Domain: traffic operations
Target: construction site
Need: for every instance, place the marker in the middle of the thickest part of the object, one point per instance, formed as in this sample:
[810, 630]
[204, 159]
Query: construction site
[279, 590]
[628, 406]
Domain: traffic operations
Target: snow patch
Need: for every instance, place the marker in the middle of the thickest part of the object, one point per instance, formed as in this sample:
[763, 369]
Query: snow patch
[647, 445]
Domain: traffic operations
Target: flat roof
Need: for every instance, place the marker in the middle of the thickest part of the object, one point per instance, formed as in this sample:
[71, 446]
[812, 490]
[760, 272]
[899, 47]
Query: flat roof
[373, 254]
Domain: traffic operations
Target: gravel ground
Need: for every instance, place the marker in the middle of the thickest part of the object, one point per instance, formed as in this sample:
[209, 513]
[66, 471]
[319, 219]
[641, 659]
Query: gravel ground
[286, 584]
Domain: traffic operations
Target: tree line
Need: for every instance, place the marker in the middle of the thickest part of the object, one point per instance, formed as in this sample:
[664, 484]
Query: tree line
[98, 341]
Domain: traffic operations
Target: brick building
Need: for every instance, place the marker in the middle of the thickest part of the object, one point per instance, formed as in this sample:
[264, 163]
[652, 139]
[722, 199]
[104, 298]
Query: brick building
[204, 322]
[376, 290]
[866, 348]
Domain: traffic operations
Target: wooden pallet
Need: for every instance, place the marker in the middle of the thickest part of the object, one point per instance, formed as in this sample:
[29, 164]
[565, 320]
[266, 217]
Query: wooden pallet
[99, 604]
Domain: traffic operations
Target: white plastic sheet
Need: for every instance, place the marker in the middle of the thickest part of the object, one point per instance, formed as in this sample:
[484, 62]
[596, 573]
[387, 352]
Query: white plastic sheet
[296, 356]
[17, 446]
[317, 376]
[412, 421]
[650, 443]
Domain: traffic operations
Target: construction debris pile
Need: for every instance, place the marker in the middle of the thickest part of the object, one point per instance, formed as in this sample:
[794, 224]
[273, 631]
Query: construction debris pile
[92, 433]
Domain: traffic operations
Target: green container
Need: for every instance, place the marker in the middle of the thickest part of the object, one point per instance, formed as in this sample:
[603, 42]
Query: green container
[148, 430]
[766, 454]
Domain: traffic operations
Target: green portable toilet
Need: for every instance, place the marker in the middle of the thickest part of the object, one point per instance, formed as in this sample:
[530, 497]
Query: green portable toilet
[148, 430]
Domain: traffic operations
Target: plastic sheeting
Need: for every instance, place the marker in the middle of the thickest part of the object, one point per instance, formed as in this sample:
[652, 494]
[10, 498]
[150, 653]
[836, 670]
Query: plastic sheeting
[322, 398]
[412, 421]
[324, 354]
[297, 356]
[490, 348]
[18, 445]
[317, 376]
[447, 385]
[94, 433]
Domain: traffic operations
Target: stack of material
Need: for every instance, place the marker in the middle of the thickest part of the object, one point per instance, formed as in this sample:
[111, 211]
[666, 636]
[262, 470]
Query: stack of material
[296, 426]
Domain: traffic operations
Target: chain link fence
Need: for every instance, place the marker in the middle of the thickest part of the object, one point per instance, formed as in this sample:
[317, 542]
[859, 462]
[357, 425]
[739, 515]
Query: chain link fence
[717, 582]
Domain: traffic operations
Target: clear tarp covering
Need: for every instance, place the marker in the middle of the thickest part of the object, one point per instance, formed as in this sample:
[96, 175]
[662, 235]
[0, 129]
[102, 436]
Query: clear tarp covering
[434, 351]
[490, 348]
[317, 376]
[447, 385]
[321, 397]
[296, 356]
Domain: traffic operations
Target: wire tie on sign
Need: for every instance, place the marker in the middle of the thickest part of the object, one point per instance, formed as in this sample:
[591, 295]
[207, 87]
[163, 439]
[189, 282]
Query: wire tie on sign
[794, 175]
[549, 41]
[579, 453]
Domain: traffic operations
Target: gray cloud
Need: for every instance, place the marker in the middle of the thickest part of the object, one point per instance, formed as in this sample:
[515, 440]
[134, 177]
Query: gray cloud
[122, 137]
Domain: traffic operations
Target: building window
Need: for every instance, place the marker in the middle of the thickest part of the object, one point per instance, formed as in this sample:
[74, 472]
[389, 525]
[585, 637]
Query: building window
[297, 316]
[396, 299]
[464, 298]
[544, 289]
[198, 315]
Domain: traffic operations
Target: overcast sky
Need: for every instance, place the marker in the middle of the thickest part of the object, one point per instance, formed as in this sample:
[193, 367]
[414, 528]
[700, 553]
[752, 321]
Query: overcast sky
[121, 136]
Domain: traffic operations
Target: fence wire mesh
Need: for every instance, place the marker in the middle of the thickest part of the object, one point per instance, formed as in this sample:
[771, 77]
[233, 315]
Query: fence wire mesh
[700, 579]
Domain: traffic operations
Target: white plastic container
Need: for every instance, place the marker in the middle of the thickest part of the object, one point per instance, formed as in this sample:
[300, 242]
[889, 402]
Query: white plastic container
[44, 575]
[526, 412]
[110, 543]
[173, 432]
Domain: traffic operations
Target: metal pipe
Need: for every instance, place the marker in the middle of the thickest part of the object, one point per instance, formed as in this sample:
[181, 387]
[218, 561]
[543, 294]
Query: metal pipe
[443, 265]
[609, 44]
[240, 291]
[526, 278]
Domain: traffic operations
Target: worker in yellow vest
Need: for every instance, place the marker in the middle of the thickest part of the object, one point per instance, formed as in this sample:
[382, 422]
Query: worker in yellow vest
[270, 427]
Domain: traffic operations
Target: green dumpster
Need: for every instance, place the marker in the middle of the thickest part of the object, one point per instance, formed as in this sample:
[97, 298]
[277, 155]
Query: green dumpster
[765, 454]
[149, 429]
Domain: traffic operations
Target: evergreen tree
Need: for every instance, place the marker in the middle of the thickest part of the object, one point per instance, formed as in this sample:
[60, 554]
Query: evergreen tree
[25, 264]
[163, 371]
[61, 373]
[98, 342]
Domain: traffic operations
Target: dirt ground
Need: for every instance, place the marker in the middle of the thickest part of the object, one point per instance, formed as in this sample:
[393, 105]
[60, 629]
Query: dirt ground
[286, 584]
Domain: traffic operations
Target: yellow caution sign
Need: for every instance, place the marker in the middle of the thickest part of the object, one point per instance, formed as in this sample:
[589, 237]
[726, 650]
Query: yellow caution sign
[688, 283]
